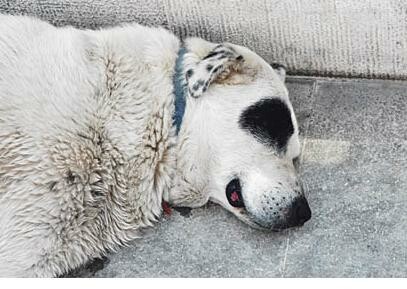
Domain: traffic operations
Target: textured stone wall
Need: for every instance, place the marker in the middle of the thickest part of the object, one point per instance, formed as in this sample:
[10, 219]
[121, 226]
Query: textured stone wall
[311, 37]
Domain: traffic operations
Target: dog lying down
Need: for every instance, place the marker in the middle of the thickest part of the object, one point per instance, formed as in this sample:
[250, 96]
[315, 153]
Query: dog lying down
[98, 128]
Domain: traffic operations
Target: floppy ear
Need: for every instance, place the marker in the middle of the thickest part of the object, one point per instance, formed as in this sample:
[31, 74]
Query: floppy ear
[280, 70]
[221, 64]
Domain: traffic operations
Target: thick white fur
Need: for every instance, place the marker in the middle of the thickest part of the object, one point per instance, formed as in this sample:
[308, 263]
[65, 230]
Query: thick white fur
[86, 140]
[87, 146]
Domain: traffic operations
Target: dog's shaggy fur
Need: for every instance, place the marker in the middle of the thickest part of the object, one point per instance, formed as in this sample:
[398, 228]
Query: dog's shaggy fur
[88, 150]
[86, 140]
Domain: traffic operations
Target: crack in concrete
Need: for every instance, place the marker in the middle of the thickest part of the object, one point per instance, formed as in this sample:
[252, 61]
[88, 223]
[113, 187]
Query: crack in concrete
[285, 257]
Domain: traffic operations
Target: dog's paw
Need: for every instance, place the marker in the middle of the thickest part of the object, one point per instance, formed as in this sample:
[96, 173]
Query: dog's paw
[216, 65]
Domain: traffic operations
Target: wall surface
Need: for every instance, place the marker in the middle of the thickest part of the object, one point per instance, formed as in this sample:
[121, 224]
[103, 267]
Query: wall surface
[311, 37]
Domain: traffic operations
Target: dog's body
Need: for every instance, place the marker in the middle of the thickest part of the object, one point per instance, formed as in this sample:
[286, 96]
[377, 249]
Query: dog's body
[88, 149]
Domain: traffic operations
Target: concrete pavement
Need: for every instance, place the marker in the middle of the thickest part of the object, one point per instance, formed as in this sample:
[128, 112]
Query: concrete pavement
[354, 161]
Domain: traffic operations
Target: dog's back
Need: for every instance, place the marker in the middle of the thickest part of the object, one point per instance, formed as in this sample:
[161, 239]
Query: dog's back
[84, 128]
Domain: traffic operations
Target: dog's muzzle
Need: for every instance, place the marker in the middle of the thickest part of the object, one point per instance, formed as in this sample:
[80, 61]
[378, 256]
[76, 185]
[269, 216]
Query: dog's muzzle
[280, 214]
[274, 213]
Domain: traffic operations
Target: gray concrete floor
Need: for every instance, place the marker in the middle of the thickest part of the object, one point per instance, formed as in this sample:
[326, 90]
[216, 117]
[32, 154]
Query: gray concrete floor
[354, 161]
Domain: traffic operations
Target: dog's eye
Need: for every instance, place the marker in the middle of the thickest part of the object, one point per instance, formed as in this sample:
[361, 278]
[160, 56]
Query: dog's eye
[234, 193]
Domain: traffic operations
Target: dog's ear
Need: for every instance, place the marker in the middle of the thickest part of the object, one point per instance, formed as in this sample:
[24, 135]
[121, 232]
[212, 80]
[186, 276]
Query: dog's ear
[211, 63]
[280, 70]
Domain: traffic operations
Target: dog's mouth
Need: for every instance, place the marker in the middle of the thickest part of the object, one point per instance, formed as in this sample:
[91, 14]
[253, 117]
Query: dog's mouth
[245, 217]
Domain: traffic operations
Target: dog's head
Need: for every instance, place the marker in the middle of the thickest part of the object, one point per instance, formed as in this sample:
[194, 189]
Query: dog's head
[239, 138]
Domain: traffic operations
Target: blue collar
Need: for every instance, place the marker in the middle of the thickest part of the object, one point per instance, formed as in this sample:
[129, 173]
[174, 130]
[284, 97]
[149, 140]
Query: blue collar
[179, 90]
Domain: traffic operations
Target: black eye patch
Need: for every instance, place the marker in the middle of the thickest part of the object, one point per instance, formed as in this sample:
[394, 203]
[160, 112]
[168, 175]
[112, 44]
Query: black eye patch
[269, 121]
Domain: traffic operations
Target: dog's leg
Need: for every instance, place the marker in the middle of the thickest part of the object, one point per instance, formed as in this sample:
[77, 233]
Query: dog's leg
[217, 64]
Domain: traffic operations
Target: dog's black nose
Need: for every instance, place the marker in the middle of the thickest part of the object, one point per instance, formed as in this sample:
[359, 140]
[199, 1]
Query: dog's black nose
[300, 212]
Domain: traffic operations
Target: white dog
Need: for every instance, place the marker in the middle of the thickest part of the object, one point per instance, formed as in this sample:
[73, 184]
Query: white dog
[97, 128]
